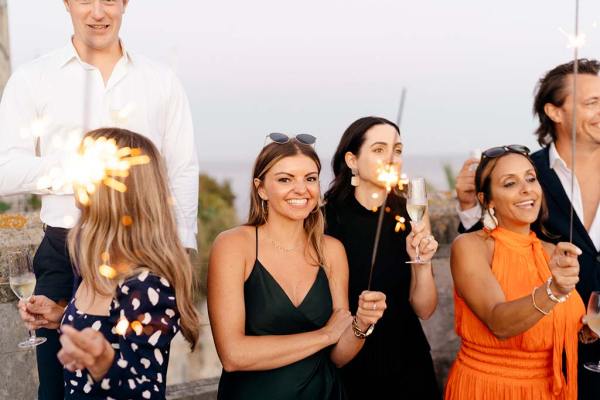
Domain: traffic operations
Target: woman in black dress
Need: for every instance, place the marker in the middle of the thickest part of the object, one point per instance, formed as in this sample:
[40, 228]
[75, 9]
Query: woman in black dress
[397, 354]
[277, 288]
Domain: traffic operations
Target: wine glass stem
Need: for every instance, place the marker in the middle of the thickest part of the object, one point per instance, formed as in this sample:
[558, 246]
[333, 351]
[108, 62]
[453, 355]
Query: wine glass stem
[32, 335]
[417, 258]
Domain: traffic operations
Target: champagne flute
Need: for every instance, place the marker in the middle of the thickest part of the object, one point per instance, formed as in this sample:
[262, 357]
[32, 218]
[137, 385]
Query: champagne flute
[416, 205]
[22, 283]
[592, 319]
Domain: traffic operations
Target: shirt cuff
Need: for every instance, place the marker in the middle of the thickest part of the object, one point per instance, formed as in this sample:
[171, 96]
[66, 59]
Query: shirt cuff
[469, 217]
[188, 238]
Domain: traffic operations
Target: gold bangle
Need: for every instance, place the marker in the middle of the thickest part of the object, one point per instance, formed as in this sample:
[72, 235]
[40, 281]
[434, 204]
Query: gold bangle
[535, 305]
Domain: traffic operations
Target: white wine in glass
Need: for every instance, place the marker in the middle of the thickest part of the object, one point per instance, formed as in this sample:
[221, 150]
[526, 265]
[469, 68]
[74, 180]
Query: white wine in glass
[22, 282]
[592, 319]
[416, 206]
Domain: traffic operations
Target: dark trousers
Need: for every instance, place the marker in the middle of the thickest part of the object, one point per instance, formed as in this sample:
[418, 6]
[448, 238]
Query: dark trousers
[54, 279]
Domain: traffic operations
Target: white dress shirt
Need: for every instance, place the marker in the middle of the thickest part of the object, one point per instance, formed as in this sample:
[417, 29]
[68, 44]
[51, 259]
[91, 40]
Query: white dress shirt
[46, 99]
[469, 217]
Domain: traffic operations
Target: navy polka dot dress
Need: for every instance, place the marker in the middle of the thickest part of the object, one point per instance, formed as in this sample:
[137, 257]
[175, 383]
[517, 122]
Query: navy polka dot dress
[139, 370]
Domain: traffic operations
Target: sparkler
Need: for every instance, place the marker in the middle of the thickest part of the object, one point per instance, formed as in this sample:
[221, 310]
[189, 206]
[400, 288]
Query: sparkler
[100, 161]
[388, 174]
[574, 122]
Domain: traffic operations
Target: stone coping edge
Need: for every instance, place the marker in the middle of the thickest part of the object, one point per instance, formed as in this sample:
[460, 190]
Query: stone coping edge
[202, 389]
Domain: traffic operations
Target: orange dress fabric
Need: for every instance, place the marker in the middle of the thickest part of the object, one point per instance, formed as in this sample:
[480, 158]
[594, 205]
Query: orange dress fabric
[528, 366]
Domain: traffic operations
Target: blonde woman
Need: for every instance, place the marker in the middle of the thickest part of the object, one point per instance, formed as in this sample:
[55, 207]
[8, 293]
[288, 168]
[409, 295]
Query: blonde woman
[278, 288]
[116, 333]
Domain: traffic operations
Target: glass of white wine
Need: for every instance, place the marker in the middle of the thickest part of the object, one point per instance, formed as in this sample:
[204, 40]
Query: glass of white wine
[592, 319]
[22, 283]
[416, 205]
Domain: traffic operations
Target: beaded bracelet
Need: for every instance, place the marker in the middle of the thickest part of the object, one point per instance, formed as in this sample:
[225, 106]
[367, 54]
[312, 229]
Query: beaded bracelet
[535, 305]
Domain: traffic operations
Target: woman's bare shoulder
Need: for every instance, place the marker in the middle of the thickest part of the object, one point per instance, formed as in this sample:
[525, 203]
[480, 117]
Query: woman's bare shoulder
[238, 238]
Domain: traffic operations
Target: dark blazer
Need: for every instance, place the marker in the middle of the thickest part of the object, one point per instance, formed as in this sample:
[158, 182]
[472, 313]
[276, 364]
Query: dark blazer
[559, 208]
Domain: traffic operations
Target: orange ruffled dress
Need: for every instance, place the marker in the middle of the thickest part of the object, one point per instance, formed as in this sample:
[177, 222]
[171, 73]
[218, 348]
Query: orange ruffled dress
[527, 366]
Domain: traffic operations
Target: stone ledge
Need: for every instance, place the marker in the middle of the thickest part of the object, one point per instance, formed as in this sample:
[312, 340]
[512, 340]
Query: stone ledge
[203, 389]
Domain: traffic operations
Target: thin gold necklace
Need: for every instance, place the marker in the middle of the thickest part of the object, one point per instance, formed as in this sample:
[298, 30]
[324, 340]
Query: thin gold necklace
[280, 247]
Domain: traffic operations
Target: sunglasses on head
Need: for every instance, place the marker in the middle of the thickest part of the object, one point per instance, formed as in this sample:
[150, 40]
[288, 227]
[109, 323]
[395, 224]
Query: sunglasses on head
[494, 152]
[282, 138]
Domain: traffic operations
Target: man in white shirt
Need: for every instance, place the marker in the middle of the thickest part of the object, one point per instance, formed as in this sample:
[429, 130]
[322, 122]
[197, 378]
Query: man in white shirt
[47, 104]
[553, 105]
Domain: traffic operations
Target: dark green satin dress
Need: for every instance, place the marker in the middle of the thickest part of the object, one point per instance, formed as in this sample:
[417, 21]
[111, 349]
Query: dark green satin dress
[269, 311]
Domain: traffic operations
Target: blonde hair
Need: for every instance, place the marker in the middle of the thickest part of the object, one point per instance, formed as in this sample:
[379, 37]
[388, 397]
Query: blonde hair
[314, 224]
[146, 239]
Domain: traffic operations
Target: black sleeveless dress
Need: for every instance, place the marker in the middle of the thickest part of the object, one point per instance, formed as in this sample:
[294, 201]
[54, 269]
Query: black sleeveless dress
[395, 362]
[269, 311]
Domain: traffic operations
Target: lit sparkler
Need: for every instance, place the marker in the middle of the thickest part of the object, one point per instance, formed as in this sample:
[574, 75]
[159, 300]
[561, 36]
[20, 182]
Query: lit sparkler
[100, 161]
[574, 40]
[389, 175]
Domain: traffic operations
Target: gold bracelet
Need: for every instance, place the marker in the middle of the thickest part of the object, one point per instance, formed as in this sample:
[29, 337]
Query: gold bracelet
[535, 305]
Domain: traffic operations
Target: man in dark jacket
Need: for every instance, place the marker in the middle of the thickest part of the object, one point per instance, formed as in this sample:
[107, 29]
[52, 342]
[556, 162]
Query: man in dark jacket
[553, 106]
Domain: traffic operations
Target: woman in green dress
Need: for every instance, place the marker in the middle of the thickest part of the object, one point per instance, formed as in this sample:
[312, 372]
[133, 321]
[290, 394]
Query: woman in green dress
[278, 287]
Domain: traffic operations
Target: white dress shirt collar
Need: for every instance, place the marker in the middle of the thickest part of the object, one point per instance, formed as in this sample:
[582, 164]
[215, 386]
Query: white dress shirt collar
[69, 53]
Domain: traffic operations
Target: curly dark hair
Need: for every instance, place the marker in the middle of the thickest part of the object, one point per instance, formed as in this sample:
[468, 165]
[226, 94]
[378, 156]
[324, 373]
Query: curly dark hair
[551, 89]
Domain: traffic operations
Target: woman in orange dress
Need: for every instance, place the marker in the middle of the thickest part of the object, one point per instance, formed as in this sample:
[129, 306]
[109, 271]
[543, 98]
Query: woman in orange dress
[516, 309]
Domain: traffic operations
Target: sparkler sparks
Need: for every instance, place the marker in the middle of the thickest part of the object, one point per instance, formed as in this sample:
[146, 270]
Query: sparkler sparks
[388, 174]
[100, 161]
[122, 326]
[400, 224]
[574, 41]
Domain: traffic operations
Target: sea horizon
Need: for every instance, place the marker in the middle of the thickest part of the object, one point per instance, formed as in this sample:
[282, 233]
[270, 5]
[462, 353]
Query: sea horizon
[238, 173]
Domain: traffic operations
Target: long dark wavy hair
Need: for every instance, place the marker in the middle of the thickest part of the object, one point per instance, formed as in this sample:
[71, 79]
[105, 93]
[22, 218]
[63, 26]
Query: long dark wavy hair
[351, 141]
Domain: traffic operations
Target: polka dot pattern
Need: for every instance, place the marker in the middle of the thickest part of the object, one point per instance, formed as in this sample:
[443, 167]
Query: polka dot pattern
[148, 303]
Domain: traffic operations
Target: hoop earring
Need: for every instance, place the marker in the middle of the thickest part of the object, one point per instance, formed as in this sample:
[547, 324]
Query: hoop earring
[355, 180]
[490, 222]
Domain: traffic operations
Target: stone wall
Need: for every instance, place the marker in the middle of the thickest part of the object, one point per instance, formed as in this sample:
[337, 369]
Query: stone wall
[18, 379]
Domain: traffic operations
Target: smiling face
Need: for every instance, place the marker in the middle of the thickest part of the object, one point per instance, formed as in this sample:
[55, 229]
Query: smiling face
[291, 187]
[380, 141]
[96, 23]
[515, 193]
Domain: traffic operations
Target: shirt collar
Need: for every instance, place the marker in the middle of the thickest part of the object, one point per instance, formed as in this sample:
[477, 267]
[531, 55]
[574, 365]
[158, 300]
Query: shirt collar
[69, 53]
[555, 161]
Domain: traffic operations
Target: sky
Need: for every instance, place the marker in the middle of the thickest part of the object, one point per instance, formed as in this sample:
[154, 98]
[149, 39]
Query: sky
[254, 67]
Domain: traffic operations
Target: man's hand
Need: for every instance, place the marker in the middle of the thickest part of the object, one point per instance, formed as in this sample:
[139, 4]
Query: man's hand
[465, 185]
[40, 312]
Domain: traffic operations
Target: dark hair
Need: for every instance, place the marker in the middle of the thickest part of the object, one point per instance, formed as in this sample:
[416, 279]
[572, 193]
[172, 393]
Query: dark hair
[483, 184]
[351, 141]
[314, 224]
[551, 89]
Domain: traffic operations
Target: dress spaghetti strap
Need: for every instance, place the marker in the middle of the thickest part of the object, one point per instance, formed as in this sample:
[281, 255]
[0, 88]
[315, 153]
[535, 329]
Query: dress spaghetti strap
[256, 252]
